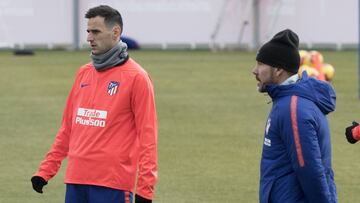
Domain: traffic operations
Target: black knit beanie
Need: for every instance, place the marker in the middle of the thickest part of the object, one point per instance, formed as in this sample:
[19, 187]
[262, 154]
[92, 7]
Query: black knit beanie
[281, 51]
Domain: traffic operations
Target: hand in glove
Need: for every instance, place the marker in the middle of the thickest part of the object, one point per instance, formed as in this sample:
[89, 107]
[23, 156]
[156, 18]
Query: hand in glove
[38, 183]
[349, 133]
[139, 199]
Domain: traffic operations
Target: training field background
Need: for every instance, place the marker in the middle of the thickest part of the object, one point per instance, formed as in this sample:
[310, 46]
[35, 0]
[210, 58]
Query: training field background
[211, 123]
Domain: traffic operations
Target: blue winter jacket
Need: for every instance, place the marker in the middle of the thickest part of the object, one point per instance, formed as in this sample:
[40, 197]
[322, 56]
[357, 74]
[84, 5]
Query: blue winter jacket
[296, 157]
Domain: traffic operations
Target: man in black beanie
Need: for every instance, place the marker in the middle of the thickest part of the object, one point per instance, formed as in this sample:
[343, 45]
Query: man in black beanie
[296, 156]
[281, 53]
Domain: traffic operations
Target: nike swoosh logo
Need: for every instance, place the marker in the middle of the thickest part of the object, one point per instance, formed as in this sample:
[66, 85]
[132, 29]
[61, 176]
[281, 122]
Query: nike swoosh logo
[84, 85]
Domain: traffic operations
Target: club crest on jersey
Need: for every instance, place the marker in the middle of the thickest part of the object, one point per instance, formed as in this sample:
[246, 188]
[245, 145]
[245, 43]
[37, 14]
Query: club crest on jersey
[268, 123]
[112, 87]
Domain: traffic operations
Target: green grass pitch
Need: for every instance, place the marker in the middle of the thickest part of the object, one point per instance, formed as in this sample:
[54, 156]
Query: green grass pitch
[211, 123]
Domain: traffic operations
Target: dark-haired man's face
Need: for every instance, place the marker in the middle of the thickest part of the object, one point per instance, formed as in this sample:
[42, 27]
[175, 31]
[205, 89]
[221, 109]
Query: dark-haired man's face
[101, 38]
[265, 75]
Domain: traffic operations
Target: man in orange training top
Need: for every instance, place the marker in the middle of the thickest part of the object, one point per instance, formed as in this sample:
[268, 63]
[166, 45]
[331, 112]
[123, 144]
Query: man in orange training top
[109, 126]
[353, 133]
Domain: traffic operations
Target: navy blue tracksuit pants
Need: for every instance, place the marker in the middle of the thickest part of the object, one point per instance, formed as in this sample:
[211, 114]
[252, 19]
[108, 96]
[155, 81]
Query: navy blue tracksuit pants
[95, 194]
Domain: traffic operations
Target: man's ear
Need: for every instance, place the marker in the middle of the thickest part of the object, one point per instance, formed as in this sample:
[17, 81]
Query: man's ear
[116, 32]
[279, 71]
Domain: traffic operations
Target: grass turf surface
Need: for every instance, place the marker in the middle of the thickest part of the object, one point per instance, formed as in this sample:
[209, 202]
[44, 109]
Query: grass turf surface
[211, 123]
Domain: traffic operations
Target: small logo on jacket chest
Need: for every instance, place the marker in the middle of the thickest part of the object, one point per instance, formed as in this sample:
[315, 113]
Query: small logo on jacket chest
[267, 142]
[113, 87]
[268, 123]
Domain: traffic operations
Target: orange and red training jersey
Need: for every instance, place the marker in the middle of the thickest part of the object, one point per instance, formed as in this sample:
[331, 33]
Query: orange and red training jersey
[108, 131]
[356, 132]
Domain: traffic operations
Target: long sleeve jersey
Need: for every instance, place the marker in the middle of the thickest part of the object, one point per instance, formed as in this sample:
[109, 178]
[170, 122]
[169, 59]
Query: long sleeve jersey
[356, 132]
[108, 131]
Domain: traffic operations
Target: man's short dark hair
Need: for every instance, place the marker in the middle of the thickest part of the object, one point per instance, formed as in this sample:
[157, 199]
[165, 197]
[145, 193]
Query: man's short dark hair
[111, 16]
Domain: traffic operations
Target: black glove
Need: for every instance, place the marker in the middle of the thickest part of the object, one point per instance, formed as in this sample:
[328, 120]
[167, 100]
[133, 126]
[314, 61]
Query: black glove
[348, 133]
[139, 199]
[38, 183]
